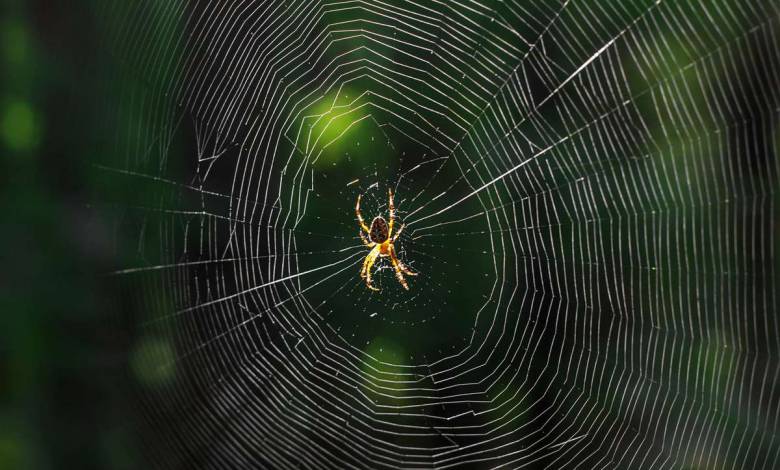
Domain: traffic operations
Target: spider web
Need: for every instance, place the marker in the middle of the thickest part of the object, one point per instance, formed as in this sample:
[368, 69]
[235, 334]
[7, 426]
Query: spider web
[588, 193]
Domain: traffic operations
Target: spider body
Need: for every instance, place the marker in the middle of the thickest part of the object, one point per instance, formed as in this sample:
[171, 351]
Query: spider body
[379, 231]
[381, 240]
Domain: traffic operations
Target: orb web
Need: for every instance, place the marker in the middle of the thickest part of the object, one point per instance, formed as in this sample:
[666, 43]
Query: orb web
[587, 193]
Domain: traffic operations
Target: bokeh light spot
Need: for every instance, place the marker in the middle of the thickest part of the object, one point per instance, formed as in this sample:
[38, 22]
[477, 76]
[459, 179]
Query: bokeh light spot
[19, 126]
[15, 43]
[152, 362]
[11, 452]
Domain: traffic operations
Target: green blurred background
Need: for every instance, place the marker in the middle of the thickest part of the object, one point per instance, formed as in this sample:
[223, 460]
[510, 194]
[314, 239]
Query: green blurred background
[63, 397]
[69, 371]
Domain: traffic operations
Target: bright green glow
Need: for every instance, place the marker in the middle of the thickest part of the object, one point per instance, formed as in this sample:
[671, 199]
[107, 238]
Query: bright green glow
[19, 126]
[14, 452]
[152, 361]
[326, 127]
[389, 374]
[383, 350]
[9, 452]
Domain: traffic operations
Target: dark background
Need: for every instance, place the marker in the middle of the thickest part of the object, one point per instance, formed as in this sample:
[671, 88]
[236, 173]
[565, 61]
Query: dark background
[64, 393]
[73, 367]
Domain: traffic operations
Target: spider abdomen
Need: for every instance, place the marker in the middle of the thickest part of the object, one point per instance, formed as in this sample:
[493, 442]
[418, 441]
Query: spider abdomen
[378, 232]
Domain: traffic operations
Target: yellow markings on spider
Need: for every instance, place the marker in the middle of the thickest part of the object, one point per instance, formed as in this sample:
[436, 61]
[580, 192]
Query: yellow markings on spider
[381, 240]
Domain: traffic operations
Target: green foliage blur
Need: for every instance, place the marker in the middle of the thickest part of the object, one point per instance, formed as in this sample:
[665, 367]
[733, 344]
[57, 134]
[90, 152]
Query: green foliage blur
[62, 404]
[68, 368]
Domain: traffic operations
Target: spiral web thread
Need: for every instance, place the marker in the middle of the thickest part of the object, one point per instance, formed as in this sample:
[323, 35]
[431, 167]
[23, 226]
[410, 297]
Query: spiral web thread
[613, 164]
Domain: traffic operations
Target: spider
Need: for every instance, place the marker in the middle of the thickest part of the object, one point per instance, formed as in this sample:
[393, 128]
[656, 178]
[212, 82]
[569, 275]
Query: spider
[380, 240]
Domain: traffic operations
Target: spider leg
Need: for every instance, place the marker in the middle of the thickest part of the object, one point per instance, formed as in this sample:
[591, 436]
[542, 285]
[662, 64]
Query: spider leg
[391, 205]
[364, 268]
[366, 242]
[365, 263]
[402, 266]
[405, 269]
[368, 263]
[398, 233]
[399, 268]
[360, 217]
